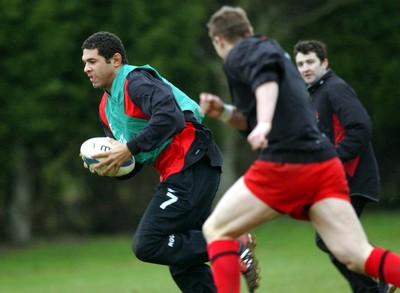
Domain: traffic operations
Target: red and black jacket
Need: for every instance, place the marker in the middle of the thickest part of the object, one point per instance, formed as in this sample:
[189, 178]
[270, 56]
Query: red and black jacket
[343, 118]
[149, 98]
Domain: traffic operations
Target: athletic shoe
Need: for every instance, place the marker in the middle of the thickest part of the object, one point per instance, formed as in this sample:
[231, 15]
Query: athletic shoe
[386, 288]
[391, 288]
[248, 262]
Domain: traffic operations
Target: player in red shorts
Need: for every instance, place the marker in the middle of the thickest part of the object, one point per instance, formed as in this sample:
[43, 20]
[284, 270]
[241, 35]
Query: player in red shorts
[297, 172]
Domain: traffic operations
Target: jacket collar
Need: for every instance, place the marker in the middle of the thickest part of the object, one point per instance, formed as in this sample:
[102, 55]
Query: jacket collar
[321, 81]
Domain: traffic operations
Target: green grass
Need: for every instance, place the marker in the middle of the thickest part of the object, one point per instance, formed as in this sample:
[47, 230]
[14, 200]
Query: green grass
[289, 259]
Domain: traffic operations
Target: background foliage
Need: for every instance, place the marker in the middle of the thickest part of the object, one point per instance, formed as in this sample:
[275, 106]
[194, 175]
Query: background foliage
[49, 108]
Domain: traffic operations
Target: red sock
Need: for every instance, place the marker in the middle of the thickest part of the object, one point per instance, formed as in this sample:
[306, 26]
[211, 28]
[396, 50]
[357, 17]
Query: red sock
[224, 258]
[384, 265]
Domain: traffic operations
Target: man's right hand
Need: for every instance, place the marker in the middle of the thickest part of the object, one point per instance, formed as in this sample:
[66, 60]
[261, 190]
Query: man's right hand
[211, 105]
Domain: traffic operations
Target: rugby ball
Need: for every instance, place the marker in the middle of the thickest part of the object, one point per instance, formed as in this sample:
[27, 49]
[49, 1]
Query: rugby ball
[97, 145]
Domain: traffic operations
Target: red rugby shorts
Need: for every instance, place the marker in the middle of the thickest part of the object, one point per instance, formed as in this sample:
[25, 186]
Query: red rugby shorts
[292, 188]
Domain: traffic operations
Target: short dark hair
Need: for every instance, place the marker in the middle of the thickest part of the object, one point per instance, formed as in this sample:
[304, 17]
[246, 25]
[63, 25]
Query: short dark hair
[230, 23]
[107, 44]
[305, 47]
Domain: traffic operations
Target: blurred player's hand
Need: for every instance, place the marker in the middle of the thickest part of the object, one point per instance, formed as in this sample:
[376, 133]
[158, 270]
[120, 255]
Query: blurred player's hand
[211, 105]
[258, 137]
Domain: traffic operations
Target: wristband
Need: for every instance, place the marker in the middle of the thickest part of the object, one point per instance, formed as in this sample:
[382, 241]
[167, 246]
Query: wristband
[227, 113]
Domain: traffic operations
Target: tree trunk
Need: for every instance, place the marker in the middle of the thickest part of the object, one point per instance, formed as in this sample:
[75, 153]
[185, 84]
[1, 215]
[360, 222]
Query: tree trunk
[19, 222]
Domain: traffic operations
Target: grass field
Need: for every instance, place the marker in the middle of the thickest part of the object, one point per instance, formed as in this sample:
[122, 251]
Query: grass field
[289, 259]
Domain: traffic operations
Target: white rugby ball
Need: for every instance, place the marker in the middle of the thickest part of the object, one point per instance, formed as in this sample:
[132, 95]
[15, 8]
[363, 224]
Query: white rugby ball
[97, 145]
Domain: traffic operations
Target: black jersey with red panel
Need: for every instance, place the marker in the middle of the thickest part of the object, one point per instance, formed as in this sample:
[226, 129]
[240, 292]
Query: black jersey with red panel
[343, 118]
[147, 97]
[295, 137]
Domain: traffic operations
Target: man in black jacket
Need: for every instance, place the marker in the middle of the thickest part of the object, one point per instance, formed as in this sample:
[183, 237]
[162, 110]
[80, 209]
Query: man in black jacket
[342, 117]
